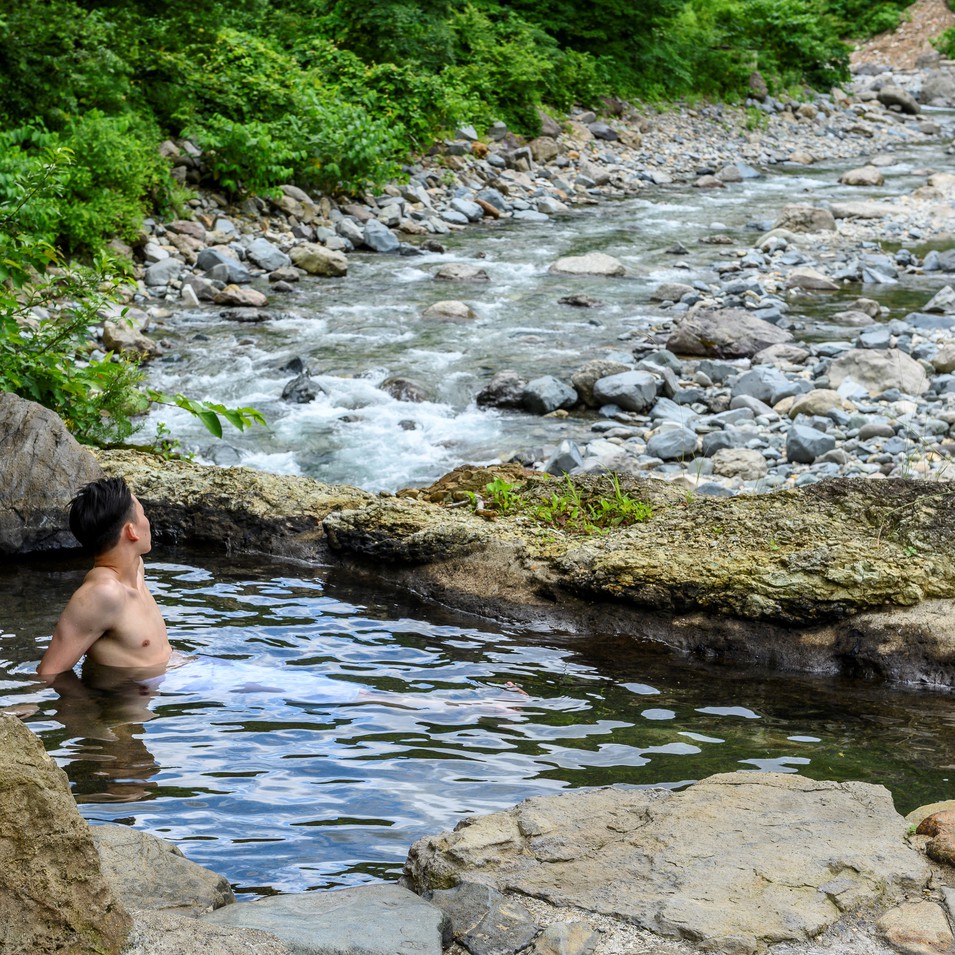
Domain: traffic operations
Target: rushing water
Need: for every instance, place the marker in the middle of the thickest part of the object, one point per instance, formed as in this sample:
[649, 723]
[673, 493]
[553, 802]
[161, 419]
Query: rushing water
[375, 722]
[356, 332]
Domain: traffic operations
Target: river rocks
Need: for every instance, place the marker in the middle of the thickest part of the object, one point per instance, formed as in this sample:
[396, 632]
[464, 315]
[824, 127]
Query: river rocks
[811, 280]
[379, 238]
[917, 928]
[368, 919]
[146, 872]
[449, 310]
[266, 255]
[940, 827]
[743, 463]
[317, 260]
[42, 468]
[879, 370]
[864, 176]
[547, 394]
[823, 851]
[630, 390]
[804, 218]
[723, 333]
[127, 340]
[895, 96]
[53, 897]
[241, 297]
[460, 272]
[805, 445]
[593, 263]
[584, 379]
[505, 390]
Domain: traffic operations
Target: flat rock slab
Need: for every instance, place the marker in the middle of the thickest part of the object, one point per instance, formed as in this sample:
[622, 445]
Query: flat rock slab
[740, 860]
[367, 920]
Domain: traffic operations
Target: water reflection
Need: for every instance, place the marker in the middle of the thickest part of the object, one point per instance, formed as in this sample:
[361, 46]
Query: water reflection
[373, 721]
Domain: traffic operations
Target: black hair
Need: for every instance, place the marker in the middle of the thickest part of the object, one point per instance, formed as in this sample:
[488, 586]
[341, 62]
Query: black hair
[98, 513]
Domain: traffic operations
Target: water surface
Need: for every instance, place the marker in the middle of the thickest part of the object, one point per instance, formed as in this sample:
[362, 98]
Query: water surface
[300, 787]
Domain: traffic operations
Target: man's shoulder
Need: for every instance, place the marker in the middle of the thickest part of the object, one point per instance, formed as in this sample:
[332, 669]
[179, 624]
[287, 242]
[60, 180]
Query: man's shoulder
[102, 587]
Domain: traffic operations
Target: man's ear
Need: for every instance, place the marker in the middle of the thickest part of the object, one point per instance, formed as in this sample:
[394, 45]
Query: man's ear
[130, 532]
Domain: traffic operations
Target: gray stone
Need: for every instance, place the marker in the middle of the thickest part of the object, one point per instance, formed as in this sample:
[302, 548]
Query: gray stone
[234, 270]
[379, 238]
[723, 333]
[896, 96]
[147, 872]
[584, 378]
[163, 272]
[943, 301]
[40, 472]
[717, 441]
[593, 263]
[673, 444]
[53, 897]
[740, 860]
[630, 390]
[470, 210]
[484, 920]
[565, 459]
[565, 938]
[810, 279]
[805, 218]
[878, 370]
[266, 255]
[744, 463]
[405, 389]
[367, 920]
[459, 272]
[546, 394]
[863, 176]
[504, 390]
[764, 382]
[124, 339]
[804, 445]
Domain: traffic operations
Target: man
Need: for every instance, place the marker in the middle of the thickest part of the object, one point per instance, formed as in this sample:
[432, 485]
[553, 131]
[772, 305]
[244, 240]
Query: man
[112, 618]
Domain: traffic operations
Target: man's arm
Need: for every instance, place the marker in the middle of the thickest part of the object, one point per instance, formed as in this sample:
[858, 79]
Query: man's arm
[92, 611]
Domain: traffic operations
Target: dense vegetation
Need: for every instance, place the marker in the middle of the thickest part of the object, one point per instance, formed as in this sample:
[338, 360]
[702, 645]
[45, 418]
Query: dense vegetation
[333, 95]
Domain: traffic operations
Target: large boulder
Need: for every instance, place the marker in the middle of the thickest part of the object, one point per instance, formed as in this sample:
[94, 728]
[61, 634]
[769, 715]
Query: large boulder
[741, 860]
[879, 369]
[800, 217]
[53, 896]
[723, 333]
[40, 473]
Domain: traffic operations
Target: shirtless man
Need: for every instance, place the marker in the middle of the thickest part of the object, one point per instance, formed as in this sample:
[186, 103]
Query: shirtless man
[112, 618]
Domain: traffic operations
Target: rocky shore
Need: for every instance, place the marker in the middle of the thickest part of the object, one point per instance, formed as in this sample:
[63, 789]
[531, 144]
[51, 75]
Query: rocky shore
[740, 863]
[718, 392]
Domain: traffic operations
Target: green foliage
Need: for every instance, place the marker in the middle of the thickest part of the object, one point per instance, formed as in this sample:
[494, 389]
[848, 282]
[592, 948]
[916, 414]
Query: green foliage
[573, 508]
[49, 309]
[945, 44]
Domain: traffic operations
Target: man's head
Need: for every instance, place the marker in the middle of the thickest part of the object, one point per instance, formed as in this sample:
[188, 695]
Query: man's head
[98, 513]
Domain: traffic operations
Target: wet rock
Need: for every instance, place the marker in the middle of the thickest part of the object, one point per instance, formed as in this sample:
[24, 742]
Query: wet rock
[449, 310]
[301, 390]
[41, 470]
[671, 292]
[146, 872]
[505, 390]
[459, 272]
[379, 238]
[580, 301]
[723, 333]
[53, 897]
[405, 389]
[593, 263]
[317, 260]
[547, 394]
